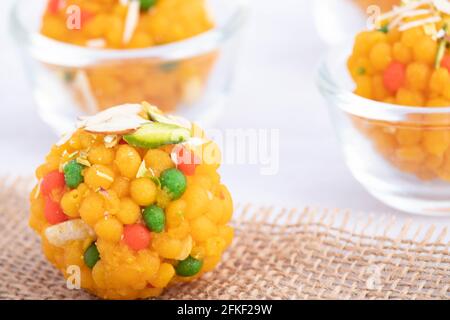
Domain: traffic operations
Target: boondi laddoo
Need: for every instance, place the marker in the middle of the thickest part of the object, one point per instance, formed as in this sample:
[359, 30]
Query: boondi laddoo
[405, 61]
[133, 200]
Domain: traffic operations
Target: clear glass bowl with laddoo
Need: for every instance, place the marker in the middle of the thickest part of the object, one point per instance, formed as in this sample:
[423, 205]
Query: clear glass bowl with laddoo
[389, 98]
[85, 56]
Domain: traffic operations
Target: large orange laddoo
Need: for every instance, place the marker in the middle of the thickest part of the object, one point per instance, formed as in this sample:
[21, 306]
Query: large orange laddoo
[131, 205]
[406, 61]
[131, 24]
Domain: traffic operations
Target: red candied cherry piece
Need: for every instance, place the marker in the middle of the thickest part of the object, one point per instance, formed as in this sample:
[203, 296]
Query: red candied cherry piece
[394, 76]
[136, 236]
[52, 181]
[53, 212]
[53, 6]
[187, 161]
[85, 16]
[445, 63]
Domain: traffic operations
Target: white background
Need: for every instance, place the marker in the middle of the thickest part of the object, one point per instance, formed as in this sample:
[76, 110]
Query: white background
[274, 89]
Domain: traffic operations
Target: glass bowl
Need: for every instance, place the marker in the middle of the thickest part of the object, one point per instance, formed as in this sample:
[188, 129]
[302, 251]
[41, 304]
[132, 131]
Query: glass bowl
[339, 20]
[190, 77]
[400, 154]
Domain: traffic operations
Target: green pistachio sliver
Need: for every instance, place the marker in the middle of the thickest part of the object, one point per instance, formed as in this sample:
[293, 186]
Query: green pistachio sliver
[441, 49]
[155, 135]
[158, 116]
[440, 54]
[156, 181]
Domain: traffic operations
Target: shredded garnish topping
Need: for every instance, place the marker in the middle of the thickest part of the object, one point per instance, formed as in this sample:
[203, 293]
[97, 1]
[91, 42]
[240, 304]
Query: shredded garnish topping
[432, 15]
[414, 13]
[96, 43]
[131, 21]
[442, 46]
[82, 159]
[104, 175]
[111, 140]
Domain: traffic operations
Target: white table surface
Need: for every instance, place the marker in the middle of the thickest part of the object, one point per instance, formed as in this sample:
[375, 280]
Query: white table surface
[274, 89]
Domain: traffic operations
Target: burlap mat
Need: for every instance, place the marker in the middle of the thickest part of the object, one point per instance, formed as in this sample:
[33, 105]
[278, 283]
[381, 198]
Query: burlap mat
[277, 254]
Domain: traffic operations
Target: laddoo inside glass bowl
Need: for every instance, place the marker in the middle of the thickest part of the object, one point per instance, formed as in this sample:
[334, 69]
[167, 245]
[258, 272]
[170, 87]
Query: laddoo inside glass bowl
[400, 154]
[180, 55]
[393, 117]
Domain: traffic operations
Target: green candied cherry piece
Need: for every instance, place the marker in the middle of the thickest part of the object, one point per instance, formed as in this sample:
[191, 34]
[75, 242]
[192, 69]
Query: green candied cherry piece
[91, 256]
[173, 182]
[73, 174]
[189, 267]
[155, 135]
[154, 218]
[147, 4]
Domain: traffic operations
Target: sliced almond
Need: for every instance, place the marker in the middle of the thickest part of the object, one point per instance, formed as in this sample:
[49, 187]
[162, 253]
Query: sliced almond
[121, 119]
[142, 171]
[124, 109]
[408, 14]
[111, 141]
[418, 23]
[431, 30]
[442, 5]
[82, 159]
[104, 176]
[401, 9]
[132, 20]
[96, 43]
[68, 157]
[58, 235]
[116, 126]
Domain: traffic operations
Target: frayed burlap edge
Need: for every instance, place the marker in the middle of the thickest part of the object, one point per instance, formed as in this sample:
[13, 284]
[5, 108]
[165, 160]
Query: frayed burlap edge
[277, 254]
